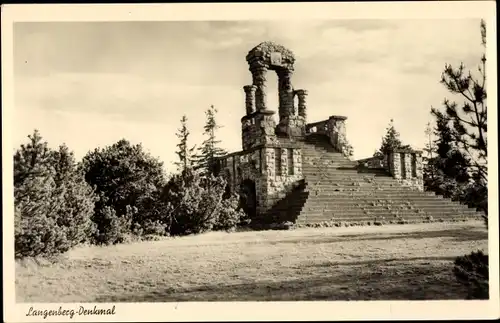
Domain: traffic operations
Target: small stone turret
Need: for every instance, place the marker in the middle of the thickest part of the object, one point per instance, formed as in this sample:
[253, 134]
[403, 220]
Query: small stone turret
[270, 56]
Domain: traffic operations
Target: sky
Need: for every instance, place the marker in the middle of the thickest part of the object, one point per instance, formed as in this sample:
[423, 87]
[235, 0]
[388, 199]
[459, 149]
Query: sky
[89, 84]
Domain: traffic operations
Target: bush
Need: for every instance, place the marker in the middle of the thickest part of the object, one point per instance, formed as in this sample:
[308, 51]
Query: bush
[53, 205]
[152, 228]
[472, 271]
[38, 235]
[112, 228]
[196, 204]
[124, 176]
[476, 195]
[230, 214]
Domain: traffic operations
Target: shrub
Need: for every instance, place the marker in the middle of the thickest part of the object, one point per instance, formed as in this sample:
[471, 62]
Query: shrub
[155, 228]
[53, 204]
[38, 235]
[112, 228]
[230, 214]
[196, 204]
[124, 176]
[472, 271]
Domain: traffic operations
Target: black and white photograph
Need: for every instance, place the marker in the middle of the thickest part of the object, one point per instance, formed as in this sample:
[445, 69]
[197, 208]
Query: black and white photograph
[249, 161]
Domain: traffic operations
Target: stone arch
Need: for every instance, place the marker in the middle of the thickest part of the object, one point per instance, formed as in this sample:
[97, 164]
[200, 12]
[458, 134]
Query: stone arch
[248, 197]
[271, 56]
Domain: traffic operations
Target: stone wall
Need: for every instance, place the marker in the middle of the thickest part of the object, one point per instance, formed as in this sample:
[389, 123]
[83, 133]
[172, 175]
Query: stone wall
[337, 133]
[258, 129]
[334, 127]
[274, 175]
[406, 166]
[373, 162]
[279, 180]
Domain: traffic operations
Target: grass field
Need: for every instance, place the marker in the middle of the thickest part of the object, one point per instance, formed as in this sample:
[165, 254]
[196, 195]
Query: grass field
[393, 262]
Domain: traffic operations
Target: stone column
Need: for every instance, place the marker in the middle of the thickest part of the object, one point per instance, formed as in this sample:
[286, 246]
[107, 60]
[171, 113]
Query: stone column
[395, 160]
[286, 108]
[259, 81]
[250, 98]
[302, 106]
[419, 171]
[408, 165]
[418, 165]
[337, 132]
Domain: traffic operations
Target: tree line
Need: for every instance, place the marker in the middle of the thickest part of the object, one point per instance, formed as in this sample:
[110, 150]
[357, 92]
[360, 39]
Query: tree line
[117, 193]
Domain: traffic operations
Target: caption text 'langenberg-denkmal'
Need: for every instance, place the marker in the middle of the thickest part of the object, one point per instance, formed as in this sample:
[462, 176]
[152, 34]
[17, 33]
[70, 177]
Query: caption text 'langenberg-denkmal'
[81, 310]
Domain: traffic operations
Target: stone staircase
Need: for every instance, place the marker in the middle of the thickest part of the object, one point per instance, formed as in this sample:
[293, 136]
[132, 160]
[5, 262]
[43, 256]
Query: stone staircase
[336, 191]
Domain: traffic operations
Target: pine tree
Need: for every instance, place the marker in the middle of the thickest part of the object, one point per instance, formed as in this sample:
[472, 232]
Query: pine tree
[446, 173]
[460, 166]
[53, 205]
[209, 150]
[184, 153]
[390, 141]
[32, 160]
[78, 197]
[469, 117]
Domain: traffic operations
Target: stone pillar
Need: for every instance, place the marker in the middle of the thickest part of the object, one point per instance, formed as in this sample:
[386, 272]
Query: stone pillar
[258, 129]
[337, 132]
[286, 108]
[297, 162]
[408, 165]
[259, 81]
[405, 165]
[419, 171]
[395, 164]
[302, 106]
[250, 98]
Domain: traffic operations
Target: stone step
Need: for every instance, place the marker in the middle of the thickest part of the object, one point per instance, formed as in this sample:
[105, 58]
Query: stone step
[331, 166]
[326, 183]
[373, 220]
[351, 189]
[342, 173]
[371, 195]
[329, 177]
[418, 210]
[319, 153]
[317, 217]
[359, 198]
[395, 206]
[308, 206]
[367, 203]
[339, 171]
[356, 216]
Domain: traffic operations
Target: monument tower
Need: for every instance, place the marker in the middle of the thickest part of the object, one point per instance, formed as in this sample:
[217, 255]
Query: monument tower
[297, 172]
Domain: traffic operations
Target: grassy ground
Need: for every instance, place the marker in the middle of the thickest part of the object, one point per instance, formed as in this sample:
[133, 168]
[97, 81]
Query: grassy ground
[405, 262]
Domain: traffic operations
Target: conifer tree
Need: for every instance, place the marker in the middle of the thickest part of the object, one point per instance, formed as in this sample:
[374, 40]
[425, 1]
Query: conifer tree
[53, 205]
[390, 141]
[184, 153]
[78, 197]
[446, 173]
[469, 117]
[128, 181]
[209, 150]
[460, 164]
